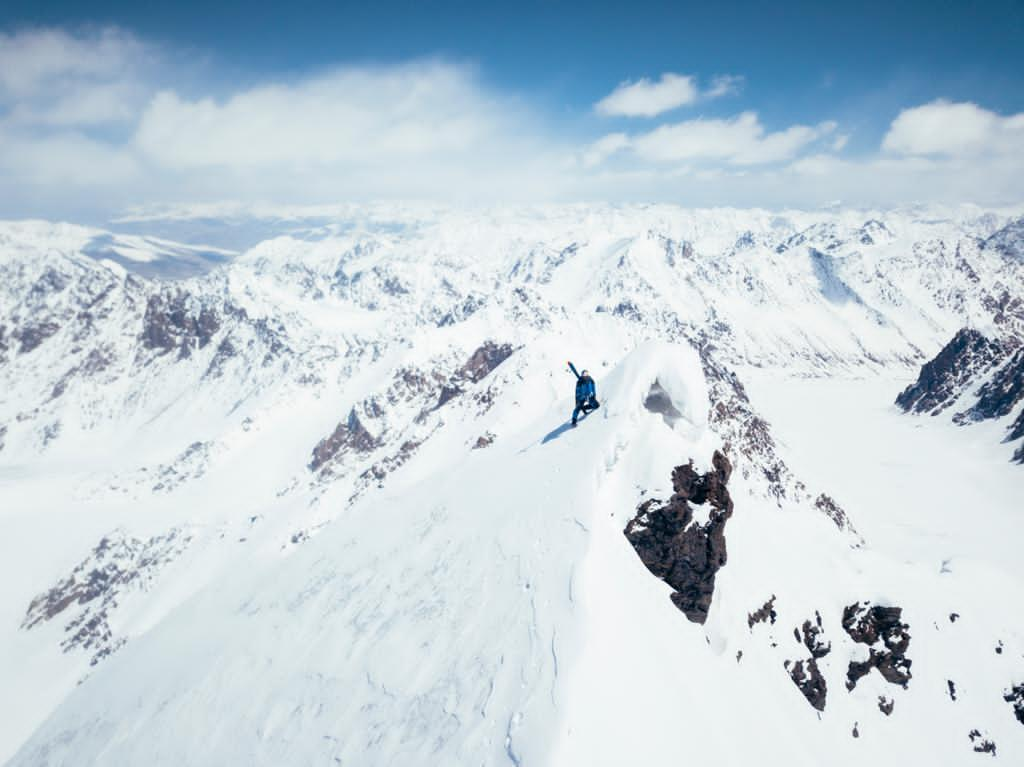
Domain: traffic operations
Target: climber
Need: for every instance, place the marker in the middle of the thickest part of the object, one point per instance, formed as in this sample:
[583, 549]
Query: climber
[586, 394]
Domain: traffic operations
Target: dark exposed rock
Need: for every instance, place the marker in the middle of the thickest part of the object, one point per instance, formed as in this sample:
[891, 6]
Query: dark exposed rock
[1009, 240]
[765, 612]
[887, 637]
[95, 362]
[855, 732]
[191, 464]
[982, 745]
[812, 638]
[685, 554]
[410, 384]
[953, 617]
[484, 440]
[117, 564]
[942, 379]
[805, 673]
[380, 470]
[628, 310]
[867, 624]
[51, 432]
[1000, 395]
[827, 506]
[349, 435]
[1016, 430]
[394, 287]
[1015, 697]
[999, 647]
[226, 350]
[448, 393]
[747, 438]
[1007, 308]
[469, 306]
[484, 360]
[886, 705]
[807, 677]
[479, 365]
[32, 336]
[173, 322]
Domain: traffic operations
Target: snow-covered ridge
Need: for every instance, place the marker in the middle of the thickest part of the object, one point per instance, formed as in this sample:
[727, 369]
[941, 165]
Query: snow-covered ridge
[308, 468]
[980, 378]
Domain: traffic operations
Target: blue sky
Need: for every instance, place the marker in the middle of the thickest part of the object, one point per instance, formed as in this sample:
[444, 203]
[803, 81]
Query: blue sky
[107, 105]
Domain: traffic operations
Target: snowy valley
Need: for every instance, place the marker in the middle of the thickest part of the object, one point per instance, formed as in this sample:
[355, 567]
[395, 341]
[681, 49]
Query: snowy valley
[317, 500]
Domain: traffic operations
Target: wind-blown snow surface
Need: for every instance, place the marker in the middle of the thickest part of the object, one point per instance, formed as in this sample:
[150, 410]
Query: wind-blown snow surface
[322, 505]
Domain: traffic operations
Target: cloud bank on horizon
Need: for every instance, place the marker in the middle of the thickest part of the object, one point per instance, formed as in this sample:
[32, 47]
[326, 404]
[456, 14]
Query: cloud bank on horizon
[101, 120]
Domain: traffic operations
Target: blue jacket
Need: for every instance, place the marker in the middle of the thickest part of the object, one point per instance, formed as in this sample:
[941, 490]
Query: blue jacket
[585, 388]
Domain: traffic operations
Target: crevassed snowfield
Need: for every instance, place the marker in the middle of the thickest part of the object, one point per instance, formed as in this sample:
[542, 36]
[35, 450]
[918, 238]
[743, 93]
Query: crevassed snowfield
[325, 506]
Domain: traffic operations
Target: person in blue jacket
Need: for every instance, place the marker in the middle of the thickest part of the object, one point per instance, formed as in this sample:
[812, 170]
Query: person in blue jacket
[586, 394]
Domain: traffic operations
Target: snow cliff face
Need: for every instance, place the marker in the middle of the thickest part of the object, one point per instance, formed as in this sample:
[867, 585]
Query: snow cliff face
[322, 504]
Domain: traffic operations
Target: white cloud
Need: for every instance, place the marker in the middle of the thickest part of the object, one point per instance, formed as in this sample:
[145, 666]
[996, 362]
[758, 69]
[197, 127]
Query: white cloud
[645, 98]
[51, 77]
[34, 58]
[954, 130]
[603, 148]
[98, 120]
[741, 140]
[359, 116]
[724, 85]
[64, 159]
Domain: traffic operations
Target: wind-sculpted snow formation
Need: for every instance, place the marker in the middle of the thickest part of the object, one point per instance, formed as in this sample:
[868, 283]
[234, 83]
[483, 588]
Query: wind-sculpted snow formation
[319, 502]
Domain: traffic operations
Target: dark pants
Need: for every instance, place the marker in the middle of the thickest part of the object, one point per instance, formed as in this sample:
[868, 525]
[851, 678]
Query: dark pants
[584, 406]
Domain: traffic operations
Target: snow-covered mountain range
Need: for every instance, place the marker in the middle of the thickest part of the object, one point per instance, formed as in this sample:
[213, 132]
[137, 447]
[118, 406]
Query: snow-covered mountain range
[318, 502]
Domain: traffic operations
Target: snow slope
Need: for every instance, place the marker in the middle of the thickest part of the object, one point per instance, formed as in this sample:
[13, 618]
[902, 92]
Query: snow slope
[322, 505]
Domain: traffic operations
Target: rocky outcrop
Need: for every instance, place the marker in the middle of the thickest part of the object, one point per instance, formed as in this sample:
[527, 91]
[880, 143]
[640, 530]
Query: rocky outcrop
[349, 435]
[765, 612]
[942, 380]
[805, 673]
[481, 363]
[807, 677]
[31, 337]
[484, 360]
[175, 322]
[813, 638]
[1015, 697]
[484, 440]
[887, 637]
[990, 371]
[1016, 431]
[1009, 241]
[982, 745]
[678, 550]
[828, 506]
[118, 564]
[998, 396]
[94, 363]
